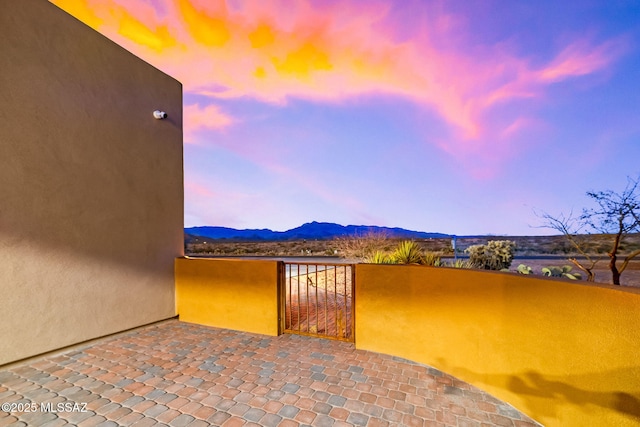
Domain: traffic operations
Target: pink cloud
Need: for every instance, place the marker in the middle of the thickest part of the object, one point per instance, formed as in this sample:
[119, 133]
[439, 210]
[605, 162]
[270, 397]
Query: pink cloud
[517, 126]
[197, 118]
[204, 196]
[580, 59]
[197, 190]
[278, 49]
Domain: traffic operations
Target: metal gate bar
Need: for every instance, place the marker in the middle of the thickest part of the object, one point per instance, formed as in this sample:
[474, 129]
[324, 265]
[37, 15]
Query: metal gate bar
[319, 300]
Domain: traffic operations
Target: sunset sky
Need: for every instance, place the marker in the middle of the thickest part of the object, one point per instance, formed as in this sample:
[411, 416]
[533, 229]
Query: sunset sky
[457, 116]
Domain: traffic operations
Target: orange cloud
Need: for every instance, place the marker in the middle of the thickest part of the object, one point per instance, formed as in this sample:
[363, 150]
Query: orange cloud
[262, 36]
[83, 10]
[303, 61]
[277, 49]
[157, 38]
[207, 24]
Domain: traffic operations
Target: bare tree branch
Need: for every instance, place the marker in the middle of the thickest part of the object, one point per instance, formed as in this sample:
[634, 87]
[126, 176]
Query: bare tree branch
[616, 214]
[628, 258]
[571, 228]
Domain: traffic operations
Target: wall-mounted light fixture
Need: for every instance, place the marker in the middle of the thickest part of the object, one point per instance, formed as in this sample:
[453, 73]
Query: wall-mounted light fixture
[159, 114]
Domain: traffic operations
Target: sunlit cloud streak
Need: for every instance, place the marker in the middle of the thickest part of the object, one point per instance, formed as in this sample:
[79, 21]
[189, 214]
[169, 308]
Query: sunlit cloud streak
[199, 119]
[444, 108]
[234, 205]
[281, 49]
[204, 203]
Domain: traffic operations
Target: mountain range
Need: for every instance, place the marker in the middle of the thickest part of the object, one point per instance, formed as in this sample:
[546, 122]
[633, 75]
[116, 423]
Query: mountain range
[311, 231]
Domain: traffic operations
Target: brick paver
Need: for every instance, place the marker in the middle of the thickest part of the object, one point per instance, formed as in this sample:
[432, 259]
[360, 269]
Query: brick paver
[180, 374]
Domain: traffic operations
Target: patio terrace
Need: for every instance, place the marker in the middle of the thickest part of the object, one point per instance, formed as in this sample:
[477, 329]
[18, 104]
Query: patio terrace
[91, 244]
[181, 374]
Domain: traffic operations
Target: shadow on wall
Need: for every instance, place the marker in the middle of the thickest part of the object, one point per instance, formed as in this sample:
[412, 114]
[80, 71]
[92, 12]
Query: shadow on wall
[556, 391]
[88, 168]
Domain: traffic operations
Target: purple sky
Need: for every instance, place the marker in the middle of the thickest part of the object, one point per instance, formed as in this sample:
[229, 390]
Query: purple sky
[452, 116]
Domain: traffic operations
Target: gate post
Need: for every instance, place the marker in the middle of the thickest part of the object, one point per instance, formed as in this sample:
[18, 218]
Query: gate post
[282, 275]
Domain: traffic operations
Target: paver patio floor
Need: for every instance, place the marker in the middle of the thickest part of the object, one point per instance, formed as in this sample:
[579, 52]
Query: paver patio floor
[180, 374]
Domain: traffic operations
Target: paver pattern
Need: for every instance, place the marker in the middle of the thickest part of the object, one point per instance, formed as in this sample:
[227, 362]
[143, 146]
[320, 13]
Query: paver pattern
[180, 374]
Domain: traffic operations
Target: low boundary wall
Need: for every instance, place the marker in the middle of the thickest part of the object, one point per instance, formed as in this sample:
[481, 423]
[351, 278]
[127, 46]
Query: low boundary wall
[564, 353]
[232, 294]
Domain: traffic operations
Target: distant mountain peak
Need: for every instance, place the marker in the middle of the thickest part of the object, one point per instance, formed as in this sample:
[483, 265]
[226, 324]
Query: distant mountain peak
[313, 230]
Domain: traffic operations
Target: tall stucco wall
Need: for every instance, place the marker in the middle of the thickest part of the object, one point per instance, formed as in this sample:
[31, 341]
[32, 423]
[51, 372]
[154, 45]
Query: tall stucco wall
[564, 353]
[91, 187]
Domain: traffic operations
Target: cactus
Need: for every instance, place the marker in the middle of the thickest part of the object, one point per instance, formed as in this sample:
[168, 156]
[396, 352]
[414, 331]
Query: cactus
[552, 271]
[563, 272]
[524, 269]
[495, 255]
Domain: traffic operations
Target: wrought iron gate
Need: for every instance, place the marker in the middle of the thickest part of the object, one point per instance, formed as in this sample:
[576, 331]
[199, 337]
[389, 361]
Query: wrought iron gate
[319, 300]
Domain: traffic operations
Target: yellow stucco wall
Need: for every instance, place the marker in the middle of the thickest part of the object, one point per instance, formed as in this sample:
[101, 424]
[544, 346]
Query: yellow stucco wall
[566, 354]
[232, 294]
[91, 189]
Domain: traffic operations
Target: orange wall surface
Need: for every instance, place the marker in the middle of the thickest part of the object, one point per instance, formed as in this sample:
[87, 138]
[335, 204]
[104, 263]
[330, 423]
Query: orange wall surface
[91, 188]
[232, 294]
[566, 354]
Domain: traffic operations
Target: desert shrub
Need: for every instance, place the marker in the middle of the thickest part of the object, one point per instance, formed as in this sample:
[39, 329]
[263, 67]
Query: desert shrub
[379, 257]
[361, 246]
[495, 255]
[408, 252]
[432, 258]
[559, 248]
[460, 263]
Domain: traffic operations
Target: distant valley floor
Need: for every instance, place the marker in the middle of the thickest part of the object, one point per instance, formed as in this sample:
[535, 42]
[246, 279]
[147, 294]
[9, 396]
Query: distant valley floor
[534, 251]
